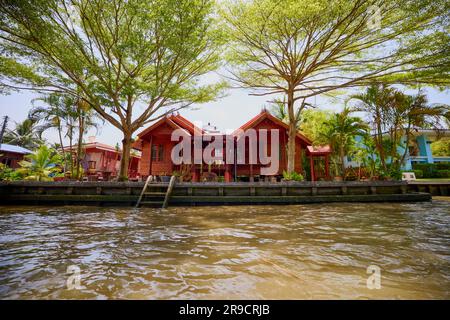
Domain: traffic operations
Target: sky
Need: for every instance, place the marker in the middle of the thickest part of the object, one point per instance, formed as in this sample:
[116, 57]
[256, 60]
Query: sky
[228, 113]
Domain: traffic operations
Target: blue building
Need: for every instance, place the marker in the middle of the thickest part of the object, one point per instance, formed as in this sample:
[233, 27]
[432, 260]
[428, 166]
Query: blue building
[419, 149]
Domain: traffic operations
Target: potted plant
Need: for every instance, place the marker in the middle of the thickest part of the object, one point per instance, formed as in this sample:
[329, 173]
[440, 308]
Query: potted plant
[178, 175]
[337, 173]
[164, 177]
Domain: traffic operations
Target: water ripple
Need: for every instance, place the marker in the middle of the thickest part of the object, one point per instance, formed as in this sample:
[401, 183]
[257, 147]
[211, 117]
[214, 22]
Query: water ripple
[246, 252]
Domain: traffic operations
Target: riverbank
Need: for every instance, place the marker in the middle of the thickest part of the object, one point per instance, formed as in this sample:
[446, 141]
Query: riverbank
[191, 194]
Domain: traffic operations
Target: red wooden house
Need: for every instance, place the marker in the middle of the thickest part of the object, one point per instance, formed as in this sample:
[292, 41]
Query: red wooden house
[156, 145]
[103, 160]
[11, 155]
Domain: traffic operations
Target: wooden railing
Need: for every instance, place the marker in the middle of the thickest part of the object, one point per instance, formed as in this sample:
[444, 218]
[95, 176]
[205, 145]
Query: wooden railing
[143, 191]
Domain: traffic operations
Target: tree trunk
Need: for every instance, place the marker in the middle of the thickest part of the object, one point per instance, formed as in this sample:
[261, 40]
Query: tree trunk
[379, 139]
[125, 160]
[71, 149]
[342, 156]
[79, 147]
[291, 134]
[62, 147]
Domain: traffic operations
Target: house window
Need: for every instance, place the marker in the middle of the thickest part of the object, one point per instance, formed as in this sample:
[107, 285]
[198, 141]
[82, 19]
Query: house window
[161, 153]
[92, 165]
[157, 152]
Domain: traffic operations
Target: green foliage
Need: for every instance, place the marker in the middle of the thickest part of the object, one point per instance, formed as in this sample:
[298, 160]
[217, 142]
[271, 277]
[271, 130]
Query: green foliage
[42, 165]
[131, 61]
[432, 170]
[25, 134]
[418, 174]
[298, 49]
[9, 174]
[393, 116]
[340, 135]
[314, 123]
[292, 176]
[441, 148]
[443, 173]
[442, 166]
[394, 172]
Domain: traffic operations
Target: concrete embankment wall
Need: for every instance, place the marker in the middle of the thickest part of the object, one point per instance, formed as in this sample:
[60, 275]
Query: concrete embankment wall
[127, 193]
[435, 188]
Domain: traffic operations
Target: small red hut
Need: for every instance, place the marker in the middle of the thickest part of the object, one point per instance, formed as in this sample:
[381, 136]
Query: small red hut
[102, 160]
[11, 155]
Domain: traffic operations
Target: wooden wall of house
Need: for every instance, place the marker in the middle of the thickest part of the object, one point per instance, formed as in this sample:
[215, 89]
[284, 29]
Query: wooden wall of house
[12, 159]
[283, 138]
[159, 136]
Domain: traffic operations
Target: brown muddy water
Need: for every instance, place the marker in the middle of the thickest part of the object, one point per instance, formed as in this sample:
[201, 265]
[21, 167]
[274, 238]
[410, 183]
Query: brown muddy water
[239, 252]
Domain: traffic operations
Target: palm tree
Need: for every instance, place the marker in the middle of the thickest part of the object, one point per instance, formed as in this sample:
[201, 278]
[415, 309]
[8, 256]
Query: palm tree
[87, 119]
[25, 134]
[69, 113]
[393, 116]
[41, 164]
[340, 133]
[57, 114]
[375, 102]
[412, 112]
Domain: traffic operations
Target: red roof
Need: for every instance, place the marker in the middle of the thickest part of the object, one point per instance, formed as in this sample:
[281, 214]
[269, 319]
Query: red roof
[185, 123]
[318, 150]
[174, 121]
[98, 146]
[264, 114]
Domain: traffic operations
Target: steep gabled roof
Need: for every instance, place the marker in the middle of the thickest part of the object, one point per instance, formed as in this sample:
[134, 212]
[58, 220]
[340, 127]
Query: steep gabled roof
[175, 122]
[264, 114]
[185, 123]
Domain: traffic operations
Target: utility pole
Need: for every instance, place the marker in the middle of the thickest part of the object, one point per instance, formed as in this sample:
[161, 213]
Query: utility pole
[2, 132]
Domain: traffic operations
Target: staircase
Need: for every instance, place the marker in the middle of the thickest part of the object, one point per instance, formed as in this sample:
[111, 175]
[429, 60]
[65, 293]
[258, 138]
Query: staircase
[155, 195]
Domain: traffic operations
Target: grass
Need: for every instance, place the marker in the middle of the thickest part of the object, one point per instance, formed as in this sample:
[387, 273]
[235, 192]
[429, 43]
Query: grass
[433, 180]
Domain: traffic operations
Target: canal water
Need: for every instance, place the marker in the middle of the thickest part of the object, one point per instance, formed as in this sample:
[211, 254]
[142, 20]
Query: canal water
[231, 252]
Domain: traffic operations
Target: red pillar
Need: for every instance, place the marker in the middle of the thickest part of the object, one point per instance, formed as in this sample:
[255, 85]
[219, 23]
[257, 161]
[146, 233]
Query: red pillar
[327, 167]
[311, 161]
[195, 176]
[227, 175]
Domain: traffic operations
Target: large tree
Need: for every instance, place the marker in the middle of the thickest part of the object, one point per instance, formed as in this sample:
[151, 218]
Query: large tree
[131, 61]
[302, 48]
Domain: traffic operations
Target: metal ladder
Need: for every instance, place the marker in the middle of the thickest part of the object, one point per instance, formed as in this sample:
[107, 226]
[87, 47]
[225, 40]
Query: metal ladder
[155, 198]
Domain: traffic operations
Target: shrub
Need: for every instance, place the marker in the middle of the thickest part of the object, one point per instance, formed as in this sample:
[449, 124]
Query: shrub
[41, 165]
[394, 173]
[443, 173]
[418, 173]
[294, 176]
[9, 174]
[442, 166]
[430, 170]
